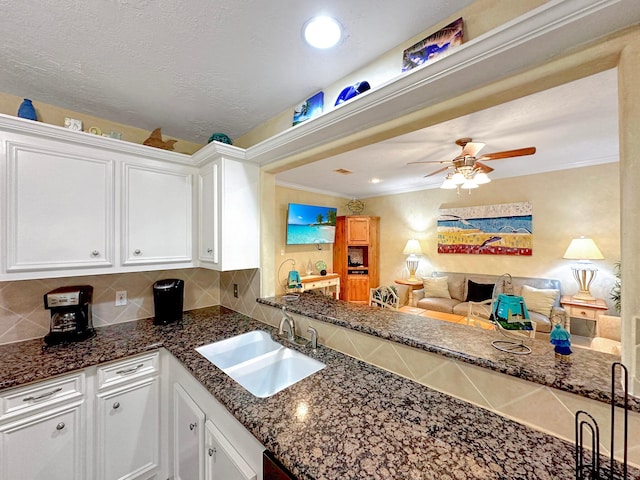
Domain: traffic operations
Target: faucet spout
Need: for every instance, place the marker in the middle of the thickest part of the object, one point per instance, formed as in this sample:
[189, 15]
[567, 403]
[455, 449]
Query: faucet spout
[287, 323]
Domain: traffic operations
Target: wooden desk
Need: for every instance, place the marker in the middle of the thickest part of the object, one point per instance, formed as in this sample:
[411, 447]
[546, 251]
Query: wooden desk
[314, 282]
[586, 309]
[413, 285]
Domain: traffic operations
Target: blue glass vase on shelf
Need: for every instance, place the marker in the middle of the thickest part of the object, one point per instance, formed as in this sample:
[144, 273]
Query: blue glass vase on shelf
[27, 110]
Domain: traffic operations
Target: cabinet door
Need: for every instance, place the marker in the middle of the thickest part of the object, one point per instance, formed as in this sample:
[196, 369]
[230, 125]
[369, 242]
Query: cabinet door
[357, 230]
[188, 437]
[59, 207]
[223, 462]
[128, 431]
[48, 446]
[157, 215]
[229, 215]
[358, 288]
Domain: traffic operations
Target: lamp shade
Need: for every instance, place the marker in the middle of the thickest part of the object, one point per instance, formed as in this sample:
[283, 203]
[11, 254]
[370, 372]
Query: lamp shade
[412, 248]
[583, 249]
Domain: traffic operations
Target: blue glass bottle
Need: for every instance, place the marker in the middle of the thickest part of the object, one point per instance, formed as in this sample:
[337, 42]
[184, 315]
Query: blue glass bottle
[27, 110]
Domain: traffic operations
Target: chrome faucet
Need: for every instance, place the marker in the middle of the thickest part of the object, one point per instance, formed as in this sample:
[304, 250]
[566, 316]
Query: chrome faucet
[288, 322]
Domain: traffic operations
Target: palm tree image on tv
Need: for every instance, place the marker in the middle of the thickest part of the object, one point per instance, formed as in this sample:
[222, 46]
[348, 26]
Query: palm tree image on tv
[309, 224]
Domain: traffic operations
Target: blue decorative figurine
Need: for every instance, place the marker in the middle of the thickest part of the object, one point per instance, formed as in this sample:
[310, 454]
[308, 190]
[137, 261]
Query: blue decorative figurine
[561, 339]
[27, 110]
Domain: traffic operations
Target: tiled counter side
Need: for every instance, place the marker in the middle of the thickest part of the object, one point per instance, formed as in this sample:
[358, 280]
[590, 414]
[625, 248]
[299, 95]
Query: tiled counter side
[534, 389]
[351, 420]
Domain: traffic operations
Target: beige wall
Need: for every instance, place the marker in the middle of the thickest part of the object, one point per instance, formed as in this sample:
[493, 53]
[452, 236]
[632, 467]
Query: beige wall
[53, 115]
[566, 204]
[22, 313]
[301, 254]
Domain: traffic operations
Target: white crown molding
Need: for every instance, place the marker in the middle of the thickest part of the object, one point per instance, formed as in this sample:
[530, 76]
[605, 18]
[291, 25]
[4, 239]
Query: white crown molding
[526, 41]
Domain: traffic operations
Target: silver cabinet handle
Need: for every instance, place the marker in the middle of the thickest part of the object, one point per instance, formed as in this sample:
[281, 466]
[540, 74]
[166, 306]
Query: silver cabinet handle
[192, 426]
[60, 426]
[44, 395]
[127, 371]
[209, 250]
[212, 452]
[116, 405]
[137, 251]
[95, 253]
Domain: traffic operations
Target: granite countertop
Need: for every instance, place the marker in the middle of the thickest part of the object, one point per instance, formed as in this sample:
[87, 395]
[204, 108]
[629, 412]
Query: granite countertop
[350, 420]
[588, 373]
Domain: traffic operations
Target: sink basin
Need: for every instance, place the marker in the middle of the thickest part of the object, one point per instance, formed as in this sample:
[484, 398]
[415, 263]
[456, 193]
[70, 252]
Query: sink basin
[258, 363]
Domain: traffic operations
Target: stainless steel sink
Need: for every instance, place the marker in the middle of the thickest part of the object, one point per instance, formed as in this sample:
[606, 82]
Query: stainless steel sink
[258, 363]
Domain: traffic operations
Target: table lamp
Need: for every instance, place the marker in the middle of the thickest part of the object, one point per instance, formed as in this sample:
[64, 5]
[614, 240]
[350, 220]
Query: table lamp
[413, 249]
[584, 250]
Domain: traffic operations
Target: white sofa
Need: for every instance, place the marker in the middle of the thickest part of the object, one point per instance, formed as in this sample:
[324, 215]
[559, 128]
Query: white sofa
[543, 303]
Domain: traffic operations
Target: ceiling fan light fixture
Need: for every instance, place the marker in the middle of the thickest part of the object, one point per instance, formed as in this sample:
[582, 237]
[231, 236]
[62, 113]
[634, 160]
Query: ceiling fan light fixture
[458, 178]
[469, 184]
[481, 178]
[448, 184]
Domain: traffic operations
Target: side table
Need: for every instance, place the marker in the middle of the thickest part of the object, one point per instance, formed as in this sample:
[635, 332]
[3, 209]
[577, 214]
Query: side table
[413, 285]
[324, 282]
[585, 309]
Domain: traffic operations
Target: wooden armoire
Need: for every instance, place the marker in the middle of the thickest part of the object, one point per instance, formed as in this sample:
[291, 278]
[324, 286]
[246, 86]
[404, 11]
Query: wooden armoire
[356, 256]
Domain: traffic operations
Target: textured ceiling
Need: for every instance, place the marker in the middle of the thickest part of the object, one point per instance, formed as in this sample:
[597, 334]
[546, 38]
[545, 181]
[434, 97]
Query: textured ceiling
[192, 67]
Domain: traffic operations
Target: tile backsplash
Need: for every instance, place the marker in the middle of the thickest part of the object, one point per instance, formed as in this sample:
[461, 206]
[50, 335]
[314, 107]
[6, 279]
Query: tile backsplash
[23, 316]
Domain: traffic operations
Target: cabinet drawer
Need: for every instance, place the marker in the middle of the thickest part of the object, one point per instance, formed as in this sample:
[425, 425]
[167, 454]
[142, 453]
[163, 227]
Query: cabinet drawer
[578, 312]
[126, 370]
[22, 400]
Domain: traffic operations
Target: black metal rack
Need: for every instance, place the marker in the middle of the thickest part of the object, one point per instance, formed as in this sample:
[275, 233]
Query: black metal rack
[586, 426]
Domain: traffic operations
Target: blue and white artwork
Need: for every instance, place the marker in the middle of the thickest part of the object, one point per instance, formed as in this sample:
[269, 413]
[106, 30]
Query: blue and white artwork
[311, 107]
[434, 46]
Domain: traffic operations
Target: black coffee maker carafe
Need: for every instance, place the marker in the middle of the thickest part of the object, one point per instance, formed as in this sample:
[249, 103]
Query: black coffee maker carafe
[70, 314]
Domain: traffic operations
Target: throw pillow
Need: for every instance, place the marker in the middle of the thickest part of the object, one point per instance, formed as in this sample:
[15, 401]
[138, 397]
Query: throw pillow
[436, 287]
[479, 292]
[540, 300]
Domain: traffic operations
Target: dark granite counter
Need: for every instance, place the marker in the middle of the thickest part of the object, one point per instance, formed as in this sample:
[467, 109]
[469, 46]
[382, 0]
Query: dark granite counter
[588, 374]
[349, 421]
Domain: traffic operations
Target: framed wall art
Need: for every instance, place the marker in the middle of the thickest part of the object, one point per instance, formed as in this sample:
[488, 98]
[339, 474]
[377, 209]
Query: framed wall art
[436, 45]
[504, 229]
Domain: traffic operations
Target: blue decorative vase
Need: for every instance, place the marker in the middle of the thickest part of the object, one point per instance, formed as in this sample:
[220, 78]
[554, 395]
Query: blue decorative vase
[27, 110]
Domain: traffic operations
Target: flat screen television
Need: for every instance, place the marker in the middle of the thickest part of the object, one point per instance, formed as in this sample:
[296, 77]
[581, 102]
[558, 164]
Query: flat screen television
[310, 224]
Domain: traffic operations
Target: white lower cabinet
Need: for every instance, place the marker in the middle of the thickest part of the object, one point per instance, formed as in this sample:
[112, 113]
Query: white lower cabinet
[223, 462]
[42, 431]
[128, 419]
[188, 436]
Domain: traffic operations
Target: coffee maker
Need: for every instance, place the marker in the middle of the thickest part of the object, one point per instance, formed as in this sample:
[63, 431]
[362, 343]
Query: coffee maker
[70, 314]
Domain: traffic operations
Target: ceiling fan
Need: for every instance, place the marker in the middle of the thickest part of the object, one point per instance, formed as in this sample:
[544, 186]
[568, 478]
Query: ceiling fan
[467, 170]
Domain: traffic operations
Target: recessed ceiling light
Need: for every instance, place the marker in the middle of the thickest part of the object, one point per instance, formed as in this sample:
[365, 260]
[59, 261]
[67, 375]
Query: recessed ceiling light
[375, 180]
[322, 32]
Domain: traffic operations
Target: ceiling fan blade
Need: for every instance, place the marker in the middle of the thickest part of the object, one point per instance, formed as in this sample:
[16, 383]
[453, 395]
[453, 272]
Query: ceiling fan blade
[520, 152]
[436, 171]
[482, 167]
[471, 149]
[428, 161]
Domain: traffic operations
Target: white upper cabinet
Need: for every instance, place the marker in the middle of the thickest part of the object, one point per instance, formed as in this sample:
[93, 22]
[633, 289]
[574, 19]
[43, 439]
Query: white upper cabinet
[229, 222]
[157, 219]
[60, 205]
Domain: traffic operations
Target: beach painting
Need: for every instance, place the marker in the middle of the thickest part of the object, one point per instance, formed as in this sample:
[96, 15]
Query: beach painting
[504, 229]
[311, 107]
[434, 46]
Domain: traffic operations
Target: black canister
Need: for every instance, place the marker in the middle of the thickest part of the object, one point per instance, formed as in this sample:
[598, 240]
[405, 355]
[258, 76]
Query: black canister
[168, 296]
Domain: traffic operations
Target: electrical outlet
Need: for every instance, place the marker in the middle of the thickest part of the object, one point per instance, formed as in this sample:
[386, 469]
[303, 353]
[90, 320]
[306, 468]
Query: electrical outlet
[121, 298]
[235, 290]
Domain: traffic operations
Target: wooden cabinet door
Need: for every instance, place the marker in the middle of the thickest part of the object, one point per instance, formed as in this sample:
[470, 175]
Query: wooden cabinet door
[157, 219]
[46, 446]
[128, 431]
[188, 437]
[60, 205]
[358, 289]
[358, 230]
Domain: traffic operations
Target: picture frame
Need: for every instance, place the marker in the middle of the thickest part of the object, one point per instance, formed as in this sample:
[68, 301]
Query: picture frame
[311, 107]
[436, 45]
